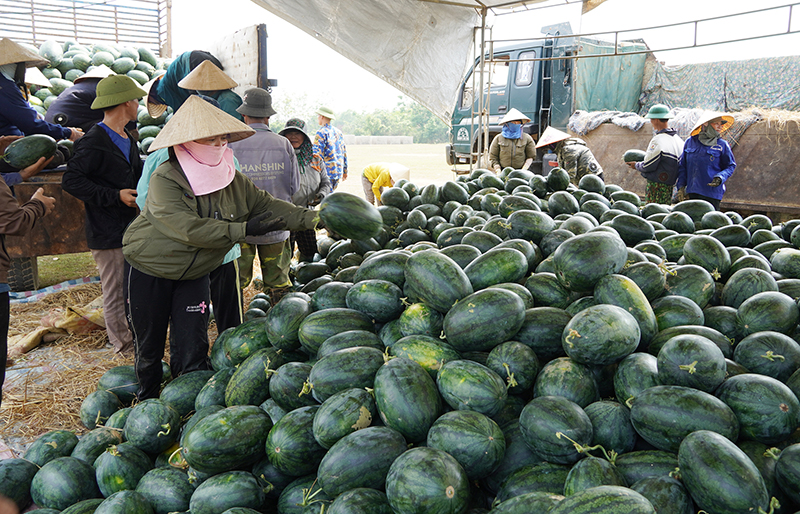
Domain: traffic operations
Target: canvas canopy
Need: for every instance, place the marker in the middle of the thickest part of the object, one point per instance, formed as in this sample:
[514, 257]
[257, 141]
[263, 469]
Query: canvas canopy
[421, 47]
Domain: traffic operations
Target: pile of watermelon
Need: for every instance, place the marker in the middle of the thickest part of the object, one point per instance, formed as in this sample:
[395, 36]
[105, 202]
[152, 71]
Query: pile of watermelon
[501, 343]
[69, 60]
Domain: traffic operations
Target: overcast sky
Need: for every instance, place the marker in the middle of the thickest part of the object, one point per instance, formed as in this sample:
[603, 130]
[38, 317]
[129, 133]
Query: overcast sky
[295, 58]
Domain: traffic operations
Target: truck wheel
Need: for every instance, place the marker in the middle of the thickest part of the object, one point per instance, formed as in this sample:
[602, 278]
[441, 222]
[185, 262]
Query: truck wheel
[23, 274]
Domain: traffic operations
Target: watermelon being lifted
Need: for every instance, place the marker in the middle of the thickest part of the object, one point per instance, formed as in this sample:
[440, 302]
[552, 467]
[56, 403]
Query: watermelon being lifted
[350, 216]
[633, 155]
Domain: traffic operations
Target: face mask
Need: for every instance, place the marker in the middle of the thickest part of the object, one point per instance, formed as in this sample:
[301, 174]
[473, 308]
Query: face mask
[708, 137]
[512, 131]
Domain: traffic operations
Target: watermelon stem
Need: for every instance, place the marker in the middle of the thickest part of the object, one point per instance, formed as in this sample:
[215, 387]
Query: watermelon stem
[572, 334]
[675, 473]
[771, 356]
[611, 456]
[772, 453]
[510, 377]
[773, 505]
[308, 495]
[691, 368]
[306, 388]
[167, 429]
[180, 464]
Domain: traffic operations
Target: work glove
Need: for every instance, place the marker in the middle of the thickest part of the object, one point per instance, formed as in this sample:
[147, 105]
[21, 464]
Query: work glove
[680, 195]
[715, 182]
[262, 224]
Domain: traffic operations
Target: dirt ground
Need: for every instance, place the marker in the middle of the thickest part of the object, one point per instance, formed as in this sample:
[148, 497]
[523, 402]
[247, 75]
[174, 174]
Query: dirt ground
[44, 388]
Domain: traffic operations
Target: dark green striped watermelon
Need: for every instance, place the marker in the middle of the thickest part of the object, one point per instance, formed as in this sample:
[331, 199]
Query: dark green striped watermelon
[320, 325]
[544, 422]
[120, 468]
[719, 476]
[592, 472]
[691, 361]
[167, 489]
[567, 378]
[152, 426]
[51, 445]
[125, 502]
[283, 321]
[361, 500]
[583, 260]
[227, 490]
[427, 480]
[227, 439]
[602, 334]
[407, 398]
[63, 482]
[467, 385]
[249, 385]
[604, 499]
[291, 446]
[379, 299]
[436, 279]
[360, 459]
[473, 439]
[344, 369]
[426, 351]
[484, 319]
[350, 216]
[16, 476]
[664, 415]
[342, 414]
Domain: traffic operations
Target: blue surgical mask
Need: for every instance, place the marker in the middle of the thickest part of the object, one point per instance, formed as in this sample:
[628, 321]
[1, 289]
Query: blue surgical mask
[512, 131]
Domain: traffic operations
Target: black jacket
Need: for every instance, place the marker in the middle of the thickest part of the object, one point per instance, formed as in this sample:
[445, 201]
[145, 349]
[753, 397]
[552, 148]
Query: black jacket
[96, 174]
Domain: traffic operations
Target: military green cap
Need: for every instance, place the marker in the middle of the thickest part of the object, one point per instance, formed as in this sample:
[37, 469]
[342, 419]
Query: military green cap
[115, 90]
[658, 112]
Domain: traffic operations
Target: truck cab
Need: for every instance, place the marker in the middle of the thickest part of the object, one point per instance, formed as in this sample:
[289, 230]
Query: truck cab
[540, 89]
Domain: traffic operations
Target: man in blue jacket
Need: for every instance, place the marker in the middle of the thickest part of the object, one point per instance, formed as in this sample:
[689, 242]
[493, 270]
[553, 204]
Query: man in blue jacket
[707, 160]
[103, 173]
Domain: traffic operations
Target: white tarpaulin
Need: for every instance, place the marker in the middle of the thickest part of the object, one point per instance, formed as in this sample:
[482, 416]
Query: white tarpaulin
[421, 47]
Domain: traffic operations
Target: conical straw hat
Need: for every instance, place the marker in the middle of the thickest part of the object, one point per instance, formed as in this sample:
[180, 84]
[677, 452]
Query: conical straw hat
[551, 135]
[155, 107]
[398, 171]
[514, 115]
[707, 116]
[98, 72]
[207, 77]
[33, 75]
[11, 52]
[198, 119]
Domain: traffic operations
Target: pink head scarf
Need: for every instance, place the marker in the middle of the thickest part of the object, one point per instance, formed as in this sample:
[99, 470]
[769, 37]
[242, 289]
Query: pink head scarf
[208, 168]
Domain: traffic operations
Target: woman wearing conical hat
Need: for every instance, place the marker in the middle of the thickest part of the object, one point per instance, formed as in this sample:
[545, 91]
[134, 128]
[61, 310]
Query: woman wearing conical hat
[573, 154]
[512, 147]
[707, 160]
[198, 206]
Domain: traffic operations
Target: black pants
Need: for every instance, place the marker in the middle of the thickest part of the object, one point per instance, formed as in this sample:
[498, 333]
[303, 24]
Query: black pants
[153, 304]
[226, 296]
[306, 242]
[4, 317]
[712, 201]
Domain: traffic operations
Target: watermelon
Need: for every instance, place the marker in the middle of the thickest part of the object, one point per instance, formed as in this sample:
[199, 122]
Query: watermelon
[120, 468]
[465, 384]
[62, 482]
[482, 320]
[604, 499]
[227, 439]
[227, 490]
[350, 216]
[407, 398]
[719, 476]
[546, 419]
[592, 472]
[16, 476]
[167, 489]
[49, 446]
[473, 439]
[601, 335]
[152, 426]
[342, 414]
[664, 415]
[291, 446]
[360, 500]
[344, 369]
[691, 361]
[25, 151]
[427, 480]
[360, 459]
[128, 502]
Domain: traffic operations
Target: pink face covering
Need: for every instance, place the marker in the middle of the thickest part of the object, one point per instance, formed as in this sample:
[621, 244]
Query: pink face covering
[208, 168]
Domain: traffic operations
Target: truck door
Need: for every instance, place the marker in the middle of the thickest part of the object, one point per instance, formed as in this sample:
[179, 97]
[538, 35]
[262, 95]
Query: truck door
[524, 88]
[561, 86]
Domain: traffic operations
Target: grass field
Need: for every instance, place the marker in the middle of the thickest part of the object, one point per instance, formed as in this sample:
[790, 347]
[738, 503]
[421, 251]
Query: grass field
[427, 164]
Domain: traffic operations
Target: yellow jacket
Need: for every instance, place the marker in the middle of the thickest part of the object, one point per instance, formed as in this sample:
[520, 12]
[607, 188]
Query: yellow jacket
[378, 173]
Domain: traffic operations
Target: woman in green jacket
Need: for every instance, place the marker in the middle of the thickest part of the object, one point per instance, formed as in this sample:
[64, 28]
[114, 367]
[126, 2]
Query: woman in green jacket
[198, 206]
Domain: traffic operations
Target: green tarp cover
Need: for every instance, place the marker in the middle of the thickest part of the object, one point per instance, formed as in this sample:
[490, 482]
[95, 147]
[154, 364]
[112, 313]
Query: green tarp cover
[609, 83]
[768, 83]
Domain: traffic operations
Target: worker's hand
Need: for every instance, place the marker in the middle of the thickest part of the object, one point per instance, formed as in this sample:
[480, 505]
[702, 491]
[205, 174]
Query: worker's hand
[262, 224]
[680, 195]
[344, 176]
[497, 168]
[715, 182]
[48, 201]
[527, 164]
[631, 165]
[7, 140]
[317, 199]
[35, 168]
[320, 224]
[128, 197]
[76, 133]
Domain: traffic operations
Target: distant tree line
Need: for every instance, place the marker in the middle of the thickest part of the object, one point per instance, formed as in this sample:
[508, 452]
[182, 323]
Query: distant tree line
[407, 118]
